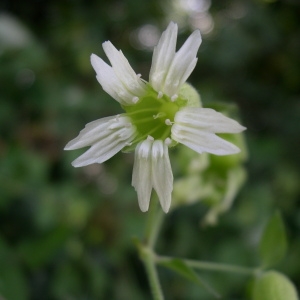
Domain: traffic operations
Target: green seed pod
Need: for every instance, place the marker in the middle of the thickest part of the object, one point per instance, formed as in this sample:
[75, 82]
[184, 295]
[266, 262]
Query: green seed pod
[273, 285]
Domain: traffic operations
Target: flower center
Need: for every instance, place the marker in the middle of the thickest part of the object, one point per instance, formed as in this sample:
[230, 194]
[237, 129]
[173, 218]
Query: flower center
[154, 114]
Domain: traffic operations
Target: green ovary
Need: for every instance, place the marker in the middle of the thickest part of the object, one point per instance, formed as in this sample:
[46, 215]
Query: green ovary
[149, 115]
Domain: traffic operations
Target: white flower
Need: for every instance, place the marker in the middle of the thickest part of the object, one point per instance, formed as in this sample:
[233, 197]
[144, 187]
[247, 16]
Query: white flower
[158, 115]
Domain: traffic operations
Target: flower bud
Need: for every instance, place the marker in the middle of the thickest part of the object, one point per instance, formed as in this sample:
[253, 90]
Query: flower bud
[188, 92]
[273, 285]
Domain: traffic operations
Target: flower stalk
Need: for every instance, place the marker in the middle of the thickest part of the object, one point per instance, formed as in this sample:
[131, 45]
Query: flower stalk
[148, 258]
[155, 218]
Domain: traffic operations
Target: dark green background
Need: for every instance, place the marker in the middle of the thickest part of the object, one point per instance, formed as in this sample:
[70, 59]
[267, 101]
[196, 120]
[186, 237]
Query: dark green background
[65, 233]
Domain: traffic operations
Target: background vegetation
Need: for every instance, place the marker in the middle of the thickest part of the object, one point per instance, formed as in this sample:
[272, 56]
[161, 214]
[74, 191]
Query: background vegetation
[66, 233]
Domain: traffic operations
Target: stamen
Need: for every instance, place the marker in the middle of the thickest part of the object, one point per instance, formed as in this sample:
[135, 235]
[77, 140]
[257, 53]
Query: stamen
[141, 111]
[168, 122]
[150, 138]
[135, 99]
[168, 141]
[159, 115]
[160, 94]
[174, 97]
[139, 75]
[128, 144]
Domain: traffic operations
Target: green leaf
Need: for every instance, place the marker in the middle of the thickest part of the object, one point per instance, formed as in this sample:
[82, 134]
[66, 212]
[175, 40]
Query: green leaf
[274, 285]
[180, 267]
[273, 244]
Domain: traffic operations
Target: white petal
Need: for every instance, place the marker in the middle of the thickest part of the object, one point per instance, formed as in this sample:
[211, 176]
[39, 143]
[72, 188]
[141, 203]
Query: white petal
[123, 70]
[183, 64]
[90, 133]
[108, 80]
[207, 119]
[106, 137]
[100, 152]
[97, 130]
[162, 174]
[202, 141]
[141, 175]
[163, 55]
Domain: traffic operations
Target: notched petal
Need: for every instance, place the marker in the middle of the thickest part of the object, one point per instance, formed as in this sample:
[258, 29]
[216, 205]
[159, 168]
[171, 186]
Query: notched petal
[207, 119]
[163, 55]
[162, 174]
[142, 175]
[202, 141]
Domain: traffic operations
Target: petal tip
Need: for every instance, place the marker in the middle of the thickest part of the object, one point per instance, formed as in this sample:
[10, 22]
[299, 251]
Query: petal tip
[93, 57]
[166, 209]
[76, 164]
[144, 206]
[69, 146]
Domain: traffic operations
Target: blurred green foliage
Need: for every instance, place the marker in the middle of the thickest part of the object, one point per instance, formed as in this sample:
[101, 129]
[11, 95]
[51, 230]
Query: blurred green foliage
[66, 233]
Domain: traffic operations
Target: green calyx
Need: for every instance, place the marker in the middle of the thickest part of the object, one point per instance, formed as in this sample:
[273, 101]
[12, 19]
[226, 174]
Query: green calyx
[154, 113]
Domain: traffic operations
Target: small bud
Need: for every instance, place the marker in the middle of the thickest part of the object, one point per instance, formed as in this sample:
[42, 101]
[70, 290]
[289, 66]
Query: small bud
[191, 95]
[273, 285]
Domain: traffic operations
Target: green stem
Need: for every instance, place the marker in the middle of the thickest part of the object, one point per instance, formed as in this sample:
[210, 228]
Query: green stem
[154, 223]
[155, 219]
[209, 266]
[149, 263]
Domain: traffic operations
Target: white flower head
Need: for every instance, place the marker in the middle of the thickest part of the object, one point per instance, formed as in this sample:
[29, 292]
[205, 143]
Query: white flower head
[158, 114]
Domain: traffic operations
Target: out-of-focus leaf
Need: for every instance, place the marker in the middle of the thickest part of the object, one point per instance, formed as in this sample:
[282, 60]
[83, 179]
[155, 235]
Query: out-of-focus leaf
[274, 286]
[273, 244]
[12, 281]
[180, 267]
[39, 251]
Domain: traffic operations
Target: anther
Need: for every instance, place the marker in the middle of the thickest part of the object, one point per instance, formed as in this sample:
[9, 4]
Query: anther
[168, 141]
[139, 75]
[135, 99]
[150, 138]
[174, 97]
[168, 122]
[160, 94]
